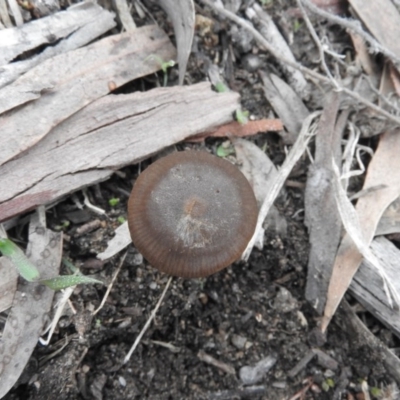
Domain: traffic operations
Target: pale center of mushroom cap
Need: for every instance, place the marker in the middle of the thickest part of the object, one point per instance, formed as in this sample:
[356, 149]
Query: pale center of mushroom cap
[196, 207]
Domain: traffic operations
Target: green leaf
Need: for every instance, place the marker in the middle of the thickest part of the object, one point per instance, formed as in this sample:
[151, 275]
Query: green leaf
[25, 267]
[65, 281]
[70, 266]
[223, 151]
[376, 392]
[121, 219]
[220, 87]
[242, 116]
[113, 201]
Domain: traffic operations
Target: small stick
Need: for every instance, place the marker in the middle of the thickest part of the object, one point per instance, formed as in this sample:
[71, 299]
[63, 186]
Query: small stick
[307, 131]
[147, 324]
[317, 43]
[228, 369]
[110, 285]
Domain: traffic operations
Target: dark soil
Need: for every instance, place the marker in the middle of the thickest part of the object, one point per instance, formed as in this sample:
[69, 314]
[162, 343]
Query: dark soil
[242, 315]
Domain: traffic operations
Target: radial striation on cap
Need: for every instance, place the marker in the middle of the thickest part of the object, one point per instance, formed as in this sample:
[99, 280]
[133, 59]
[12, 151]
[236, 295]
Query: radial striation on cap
[191, 214]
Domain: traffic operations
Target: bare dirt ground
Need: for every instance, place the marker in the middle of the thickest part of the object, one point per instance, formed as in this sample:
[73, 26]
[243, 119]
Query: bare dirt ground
[207, 330]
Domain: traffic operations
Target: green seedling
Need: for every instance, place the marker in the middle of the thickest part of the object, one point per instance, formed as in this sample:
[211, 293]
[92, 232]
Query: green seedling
[164, 65]
[121, 219]
[242, 116]
[64, 224]
[328, 384]
[296, 25]
[266, 3]
[29, 272]
[225, 149]
[114, 201]
[220, 87]
[66, 281]
[24, 267]
[376, 392]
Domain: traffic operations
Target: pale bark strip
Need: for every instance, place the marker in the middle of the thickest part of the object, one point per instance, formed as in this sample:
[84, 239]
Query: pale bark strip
[75, 79]
[112, 132]
[17, 40]
[88, 25]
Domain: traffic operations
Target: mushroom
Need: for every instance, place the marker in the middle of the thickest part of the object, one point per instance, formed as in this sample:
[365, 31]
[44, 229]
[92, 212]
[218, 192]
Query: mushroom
[191, 214]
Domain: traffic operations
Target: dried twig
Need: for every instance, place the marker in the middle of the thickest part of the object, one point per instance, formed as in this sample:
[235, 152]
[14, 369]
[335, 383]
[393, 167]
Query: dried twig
[317, 43]
[110, 285]
[148, 322]
[277, 183]
[310, 73]
[228, 369]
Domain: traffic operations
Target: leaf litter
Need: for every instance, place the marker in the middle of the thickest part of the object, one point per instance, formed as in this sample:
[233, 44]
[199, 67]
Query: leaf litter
[380, 191]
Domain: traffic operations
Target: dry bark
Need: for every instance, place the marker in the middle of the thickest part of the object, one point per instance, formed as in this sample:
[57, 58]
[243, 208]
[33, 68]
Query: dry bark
[113, 132]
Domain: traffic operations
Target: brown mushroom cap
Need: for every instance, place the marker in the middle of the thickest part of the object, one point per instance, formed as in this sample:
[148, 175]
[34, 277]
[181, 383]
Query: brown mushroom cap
[191, 214]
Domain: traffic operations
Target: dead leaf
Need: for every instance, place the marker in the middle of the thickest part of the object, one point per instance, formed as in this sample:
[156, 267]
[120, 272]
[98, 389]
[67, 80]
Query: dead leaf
[383, 170]
[260, 171]
[114, 131]
[8, 283]
[31, 303]
[76, 79]
[121, 239]
[182, 15]
[331, 6]
[364, 58]
[395, 77]
[237, 129]
[286, 103]
[321, 216]
[367, 285]
[124, 14]
[351, 224]
[382, 20]
[390, 221]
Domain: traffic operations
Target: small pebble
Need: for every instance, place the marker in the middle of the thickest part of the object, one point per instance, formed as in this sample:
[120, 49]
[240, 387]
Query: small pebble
[284, 301]
[252, 375]
[251, 62]
[238, 341]
[122, 381]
